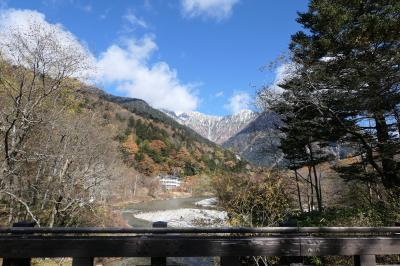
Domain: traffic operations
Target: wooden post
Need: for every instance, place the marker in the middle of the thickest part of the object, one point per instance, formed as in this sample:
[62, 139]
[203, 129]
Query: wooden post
[294, 260]
[82, 261]
[159, 261]
[364, 260]
[19, 261]
[291, 260]
[230, 261]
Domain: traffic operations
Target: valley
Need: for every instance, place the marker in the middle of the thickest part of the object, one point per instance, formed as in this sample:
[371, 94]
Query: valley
[110, 116]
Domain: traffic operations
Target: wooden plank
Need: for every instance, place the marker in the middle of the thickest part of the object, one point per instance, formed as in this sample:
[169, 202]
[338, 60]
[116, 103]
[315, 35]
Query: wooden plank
[19, 261]
[146, 246]
[292, 261]
[82, 261]
[318, 246]
[295, 261]
[365, 260]
[159, 261]
[192, 246]
[223, 230]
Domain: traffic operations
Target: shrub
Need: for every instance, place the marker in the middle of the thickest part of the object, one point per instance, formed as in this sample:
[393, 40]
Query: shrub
[256, 201]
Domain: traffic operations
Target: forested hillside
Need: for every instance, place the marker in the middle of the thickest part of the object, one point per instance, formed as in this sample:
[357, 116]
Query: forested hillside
[153, 143]
[110, 146]
[68, 149]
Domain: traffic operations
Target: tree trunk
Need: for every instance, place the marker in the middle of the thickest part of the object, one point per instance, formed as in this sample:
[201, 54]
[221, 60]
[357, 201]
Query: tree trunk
[298, 190]
[134, 188]
[311, 197]
[316, 184]
[397, 117]
[317, 188]
[52, 217]
[320, 188]
[387, 150]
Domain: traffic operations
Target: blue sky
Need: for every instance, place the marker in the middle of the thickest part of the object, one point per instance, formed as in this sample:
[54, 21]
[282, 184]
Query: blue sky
[183, 55]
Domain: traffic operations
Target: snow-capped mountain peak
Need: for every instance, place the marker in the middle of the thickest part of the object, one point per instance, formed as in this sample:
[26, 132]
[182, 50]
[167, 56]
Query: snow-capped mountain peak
[215, 128]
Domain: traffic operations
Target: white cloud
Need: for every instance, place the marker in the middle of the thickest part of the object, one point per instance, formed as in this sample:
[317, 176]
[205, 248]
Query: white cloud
[273, 92]
[134, 21]
[216, 9]
[283, 73]
[127, 67]
[219, 94]
[23, 20]
[238, 102]
[55, 39]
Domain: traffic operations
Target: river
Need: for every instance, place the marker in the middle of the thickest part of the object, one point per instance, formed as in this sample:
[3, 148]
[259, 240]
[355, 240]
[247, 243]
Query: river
[180, 212]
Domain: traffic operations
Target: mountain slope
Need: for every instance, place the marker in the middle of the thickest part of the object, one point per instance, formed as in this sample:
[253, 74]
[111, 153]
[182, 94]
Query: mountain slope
[152, 142]
[258, 142]
[215, 128]
[143, 109]
[254, 137]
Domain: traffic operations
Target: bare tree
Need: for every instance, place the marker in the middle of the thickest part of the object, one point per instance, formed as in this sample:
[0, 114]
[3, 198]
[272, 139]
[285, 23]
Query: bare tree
[39, 61]
[51, 157]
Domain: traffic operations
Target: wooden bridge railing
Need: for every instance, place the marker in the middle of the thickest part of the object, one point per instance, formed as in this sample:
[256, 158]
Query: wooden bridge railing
[83, 244]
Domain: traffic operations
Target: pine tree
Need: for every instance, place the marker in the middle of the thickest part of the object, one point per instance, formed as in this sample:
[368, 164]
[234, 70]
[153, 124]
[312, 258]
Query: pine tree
[303, 142]
[348, 77]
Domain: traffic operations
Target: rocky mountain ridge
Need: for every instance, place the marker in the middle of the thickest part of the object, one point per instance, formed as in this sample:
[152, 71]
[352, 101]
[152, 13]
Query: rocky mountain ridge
[217, 129]
[259, 141]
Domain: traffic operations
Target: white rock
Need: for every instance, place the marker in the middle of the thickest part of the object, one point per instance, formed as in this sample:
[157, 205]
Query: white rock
[186, 217]
[211, 202]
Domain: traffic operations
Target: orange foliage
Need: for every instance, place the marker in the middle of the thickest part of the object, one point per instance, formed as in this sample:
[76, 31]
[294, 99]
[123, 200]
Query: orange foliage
[197, 153]
[130, 144]
[201, 164]
[147, 166]
[188, 183]
[157, 145]
[182, 157]
[183, 152]
[230, 164]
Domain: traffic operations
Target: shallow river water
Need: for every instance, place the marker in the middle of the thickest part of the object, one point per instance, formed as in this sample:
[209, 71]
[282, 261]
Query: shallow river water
[155, 207]
[158, 205]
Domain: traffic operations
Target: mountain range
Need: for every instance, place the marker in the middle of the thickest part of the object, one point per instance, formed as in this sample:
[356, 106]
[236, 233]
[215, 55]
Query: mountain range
[153, 142]
[217, 129]
[252, 136]
[258, 142]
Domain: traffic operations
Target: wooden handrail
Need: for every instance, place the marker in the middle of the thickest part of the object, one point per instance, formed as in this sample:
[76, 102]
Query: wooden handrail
[200, 230]
[193, 246]
[26, 246]
[83, 244]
